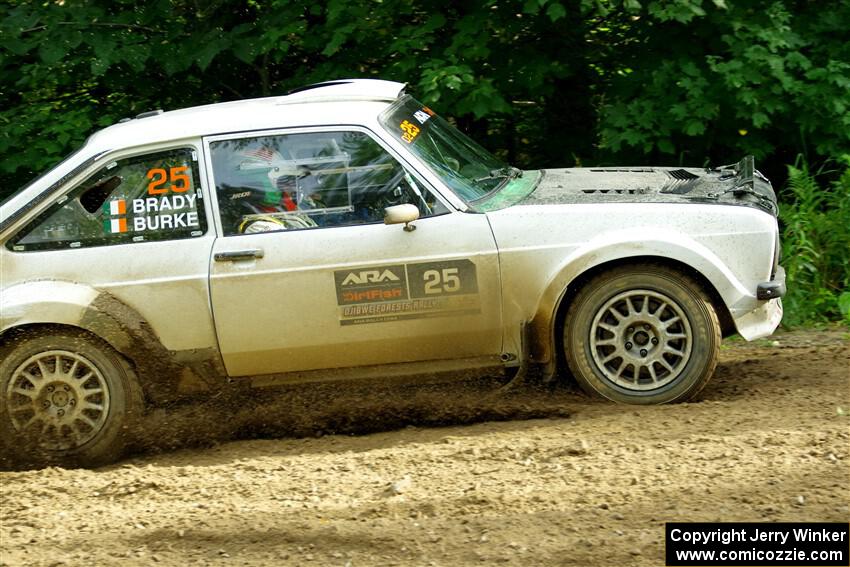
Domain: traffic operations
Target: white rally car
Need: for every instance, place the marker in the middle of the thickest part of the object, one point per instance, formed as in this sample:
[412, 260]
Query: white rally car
[346, 231]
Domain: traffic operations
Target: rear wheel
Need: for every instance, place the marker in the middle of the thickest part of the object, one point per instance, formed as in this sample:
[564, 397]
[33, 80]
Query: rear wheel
[642, 334]
[67, 399]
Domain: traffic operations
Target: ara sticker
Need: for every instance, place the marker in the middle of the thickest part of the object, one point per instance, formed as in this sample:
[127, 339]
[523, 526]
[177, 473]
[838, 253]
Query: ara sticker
[370, 284]
[410, 291]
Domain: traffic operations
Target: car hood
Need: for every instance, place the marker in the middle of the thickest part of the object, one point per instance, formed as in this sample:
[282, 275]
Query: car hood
[736, 184]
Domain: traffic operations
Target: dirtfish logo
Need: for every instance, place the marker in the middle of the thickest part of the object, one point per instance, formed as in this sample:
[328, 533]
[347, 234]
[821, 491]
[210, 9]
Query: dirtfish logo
[370, 276]
[370, 284]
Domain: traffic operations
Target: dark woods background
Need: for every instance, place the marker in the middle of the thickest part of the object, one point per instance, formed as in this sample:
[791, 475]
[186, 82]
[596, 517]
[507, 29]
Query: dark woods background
[541, 82]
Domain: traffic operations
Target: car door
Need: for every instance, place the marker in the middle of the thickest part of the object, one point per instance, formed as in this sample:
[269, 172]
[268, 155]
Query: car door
[306, 275]
[134, 229]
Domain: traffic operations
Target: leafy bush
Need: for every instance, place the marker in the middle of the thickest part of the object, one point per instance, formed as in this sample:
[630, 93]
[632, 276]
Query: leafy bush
[816, 244]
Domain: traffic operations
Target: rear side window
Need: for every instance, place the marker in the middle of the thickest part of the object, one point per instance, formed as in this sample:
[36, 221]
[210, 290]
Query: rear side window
[137, 199]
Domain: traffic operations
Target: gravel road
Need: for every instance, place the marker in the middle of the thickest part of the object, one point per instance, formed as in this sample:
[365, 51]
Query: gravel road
[453, 475]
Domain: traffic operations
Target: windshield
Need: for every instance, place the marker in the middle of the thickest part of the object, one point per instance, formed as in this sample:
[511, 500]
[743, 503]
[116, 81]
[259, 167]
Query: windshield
[468, 169]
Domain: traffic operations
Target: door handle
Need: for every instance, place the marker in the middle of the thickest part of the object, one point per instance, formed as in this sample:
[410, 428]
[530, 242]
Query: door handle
[236, 255]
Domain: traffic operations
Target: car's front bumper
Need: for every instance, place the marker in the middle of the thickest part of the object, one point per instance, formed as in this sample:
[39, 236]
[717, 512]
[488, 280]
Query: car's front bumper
[775, 288]
[763, 313]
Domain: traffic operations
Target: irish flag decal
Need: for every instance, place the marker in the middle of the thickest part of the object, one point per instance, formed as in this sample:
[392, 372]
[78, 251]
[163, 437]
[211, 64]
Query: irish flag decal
[117, 207]
[115, 225]
[114, 208]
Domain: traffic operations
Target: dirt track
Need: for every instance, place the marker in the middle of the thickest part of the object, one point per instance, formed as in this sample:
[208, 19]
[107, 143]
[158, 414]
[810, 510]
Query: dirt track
[568, 481]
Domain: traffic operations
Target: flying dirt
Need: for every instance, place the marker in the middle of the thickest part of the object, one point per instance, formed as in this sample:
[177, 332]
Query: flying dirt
[452, 475]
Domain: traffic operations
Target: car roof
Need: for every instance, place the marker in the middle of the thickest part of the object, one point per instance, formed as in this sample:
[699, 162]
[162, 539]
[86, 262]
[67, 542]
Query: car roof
[243, 115]
[302, 107]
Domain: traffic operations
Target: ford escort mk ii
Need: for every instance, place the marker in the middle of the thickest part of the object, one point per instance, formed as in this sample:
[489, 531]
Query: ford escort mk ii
[347, 231]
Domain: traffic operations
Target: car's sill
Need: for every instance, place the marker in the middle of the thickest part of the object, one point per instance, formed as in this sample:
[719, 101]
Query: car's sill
[420, 372]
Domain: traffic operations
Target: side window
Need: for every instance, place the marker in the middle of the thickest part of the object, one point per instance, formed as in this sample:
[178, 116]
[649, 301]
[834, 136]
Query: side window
[298, 181]
[137, 199]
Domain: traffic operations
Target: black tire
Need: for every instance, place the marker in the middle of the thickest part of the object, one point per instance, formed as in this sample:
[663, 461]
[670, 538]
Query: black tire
[66, 398]
[662, 348]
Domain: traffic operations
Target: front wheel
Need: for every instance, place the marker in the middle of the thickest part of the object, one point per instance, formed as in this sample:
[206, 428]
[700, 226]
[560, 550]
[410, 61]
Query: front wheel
[67, 399]
[642, 335]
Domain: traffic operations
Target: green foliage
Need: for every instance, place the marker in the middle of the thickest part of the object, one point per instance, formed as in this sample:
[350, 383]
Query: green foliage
[749, 76]
[816, 246]
[543, 82]
[606, 80]
[68, 68]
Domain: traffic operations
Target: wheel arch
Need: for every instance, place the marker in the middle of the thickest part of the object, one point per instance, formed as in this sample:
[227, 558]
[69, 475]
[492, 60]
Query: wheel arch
[151, 392]
[104, 317]
[61, 304]
[548, 323]
[10, 334]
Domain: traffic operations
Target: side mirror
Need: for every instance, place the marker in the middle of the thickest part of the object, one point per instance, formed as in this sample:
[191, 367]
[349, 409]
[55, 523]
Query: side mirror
[402, 214]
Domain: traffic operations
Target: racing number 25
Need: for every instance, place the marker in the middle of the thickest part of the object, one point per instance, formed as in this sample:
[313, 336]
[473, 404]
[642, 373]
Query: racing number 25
[446, 280]
[159, 176]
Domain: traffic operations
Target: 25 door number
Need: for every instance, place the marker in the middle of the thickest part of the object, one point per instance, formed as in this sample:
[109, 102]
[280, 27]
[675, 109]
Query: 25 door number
[446, 280]
[159, 176]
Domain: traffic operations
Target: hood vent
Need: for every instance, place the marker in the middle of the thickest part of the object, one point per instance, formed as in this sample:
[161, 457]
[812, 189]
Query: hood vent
[682, 175]
[681, 182]
[613, 191]
[622, 170]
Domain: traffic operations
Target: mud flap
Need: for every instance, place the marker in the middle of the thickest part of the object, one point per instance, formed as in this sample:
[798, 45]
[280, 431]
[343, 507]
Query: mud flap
[164, 375]
[519, 379]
